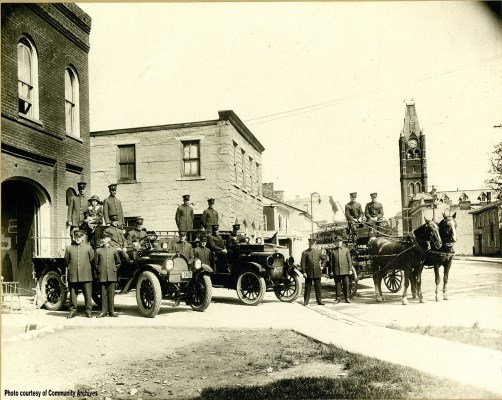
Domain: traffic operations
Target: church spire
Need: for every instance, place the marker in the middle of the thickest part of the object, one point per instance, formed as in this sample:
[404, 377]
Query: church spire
[411, 127]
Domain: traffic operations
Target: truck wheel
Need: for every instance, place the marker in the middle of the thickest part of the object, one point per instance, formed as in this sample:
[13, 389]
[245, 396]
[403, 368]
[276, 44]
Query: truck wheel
[352, 286]
[53, 290]
[148, 294]
[291, 289]
[200, 293]
[251, 288]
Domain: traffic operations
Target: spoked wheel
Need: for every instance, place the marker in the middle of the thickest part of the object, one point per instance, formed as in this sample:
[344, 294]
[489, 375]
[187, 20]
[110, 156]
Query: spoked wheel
[53, 291]
[148, 294]
[251, 288]
[393, 280]
[200, 293]
[290, 290]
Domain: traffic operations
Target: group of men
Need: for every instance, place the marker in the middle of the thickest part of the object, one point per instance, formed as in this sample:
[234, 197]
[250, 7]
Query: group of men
[373, 210]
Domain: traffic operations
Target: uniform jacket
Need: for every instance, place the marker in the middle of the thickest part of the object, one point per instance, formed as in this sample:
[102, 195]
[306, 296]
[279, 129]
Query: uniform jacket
[185, 249]
[78, 259]
[203, 254]
[184, 218]
[353, 211]
[135, 236]
[118, 238]
[113, 206]
[234, 239]
[373, 209]
[76, 209]
[107, 263]
[312, 263]
[209, 218]
[340, 261]
[215, 242]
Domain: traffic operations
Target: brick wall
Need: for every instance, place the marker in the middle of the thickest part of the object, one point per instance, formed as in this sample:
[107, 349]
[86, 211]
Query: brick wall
[60, 34]
[159, 184]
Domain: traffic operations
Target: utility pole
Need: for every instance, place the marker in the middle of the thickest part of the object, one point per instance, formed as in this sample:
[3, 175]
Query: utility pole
[312, 209]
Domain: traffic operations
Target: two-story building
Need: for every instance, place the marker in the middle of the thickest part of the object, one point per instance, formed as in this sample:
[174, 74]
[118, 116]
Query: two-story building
[45, 129]
[487, 228]
[155, 166]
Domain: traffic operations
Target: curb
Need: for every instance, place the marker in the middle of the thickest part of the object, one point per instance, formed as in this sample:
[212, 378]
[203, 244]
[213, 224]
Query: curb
[33, 333]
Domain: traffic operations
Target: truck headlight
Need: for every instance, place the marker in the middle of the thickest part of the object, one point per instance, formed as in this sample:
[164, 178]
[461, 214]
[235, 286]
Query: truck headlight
[164, 246]
[169, 265]
[198, 264]
[270, 261]
[291, 261]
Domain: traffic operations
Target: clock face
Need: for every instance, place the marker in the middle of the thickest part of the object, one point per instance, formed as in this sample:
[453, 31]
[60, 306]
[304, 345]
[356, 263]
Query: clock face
[412, 143]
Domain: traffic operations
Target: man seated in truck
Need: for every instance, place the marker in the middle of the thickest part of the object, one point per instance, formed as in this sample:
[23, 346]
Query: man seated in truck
[184, 248]
[217, 245]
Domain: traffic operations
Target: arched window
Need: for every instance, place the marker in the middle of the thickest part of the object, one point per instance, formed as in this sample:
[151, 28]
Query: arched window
[27, 78]
[412, 189]
[410, 153]
[280, 221]
[418, 187]
[71, 94]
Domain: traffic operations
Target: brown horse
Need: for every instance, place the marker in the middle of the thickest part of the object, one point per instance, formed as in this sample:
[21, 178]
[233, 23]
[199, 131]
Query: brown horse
[407, 254]
[443, 257]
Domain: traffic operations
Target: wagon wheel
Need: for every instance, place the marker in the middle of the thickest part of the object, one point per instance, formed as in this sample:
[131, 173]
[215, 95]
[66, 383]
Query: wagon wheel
[393, 280]
[352, 286]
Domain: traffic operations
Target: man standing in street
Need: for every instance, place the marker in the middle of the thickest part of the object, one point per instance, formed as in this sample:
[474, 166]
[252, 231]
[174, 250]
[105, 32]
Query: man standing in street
[312, 265]
[209, 216]
[78, 259]
[341, 268]
[113, 206]
[184, 215]
[76, 208]
[353, 212]
[184, 248]
[202, 252]
[373, 210]
[107, 265]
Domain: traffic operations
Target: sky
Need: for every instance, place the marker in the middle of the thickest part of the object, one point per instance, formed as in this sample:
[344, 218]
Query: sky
[322, 85]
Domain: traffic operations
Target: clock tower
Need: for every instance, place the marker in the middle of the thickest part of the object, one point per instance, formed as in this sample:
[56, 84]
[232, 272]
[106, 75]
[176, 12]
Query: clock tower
[413, 162]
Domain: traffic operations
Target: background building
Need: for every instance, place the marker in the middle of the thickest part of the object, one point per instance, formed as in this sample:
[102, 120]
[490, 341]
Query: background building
[45, 128]
[323, 212]
[154, 166]
[461, 202]
[487, 227]
[291, 225]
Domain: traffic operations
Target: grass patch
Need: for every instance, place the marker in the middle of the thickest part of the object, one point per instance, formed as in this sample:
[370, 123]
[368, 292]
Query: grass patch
[474, 335]
[365, 378]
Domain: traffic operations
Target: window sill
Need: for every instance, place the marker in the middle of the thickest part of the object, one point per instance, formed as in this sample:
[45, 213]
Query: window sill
[236, 186]
[191, 178]
[69, 135]
[127, 181]
[245, 191]
[32, 120]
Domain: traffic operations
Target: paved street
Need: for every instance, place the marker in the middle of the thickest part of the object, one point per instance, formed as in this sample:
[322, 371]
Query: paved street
[475, 298]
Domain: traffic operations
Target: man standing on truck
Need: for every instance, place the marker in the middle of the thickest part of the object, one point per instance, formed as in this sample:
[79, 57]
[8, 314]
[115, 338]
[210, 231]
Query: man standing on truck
[184, 248]
[184, 215]
[209, 216]
[76, 208]
[373, 210]
[78, 259]
[107, 265]
[353, 212]
[341, 267]
[312, 264]
[113, 206]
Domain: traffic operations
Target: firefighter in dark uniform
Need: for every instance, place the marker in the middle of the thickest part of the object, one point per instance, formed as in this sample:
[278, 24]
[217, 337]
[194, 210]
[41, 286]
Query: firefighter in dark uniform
[202, 252]
[118, 239]
[77, 207]
[78, 259]
[235, 236]
[107, 265]
[312, 264]
[341, 267]
[184, 215]
[209, 216]
[134, 236]
[184, 248]
[373, 210]
[217, 245]
[353, 213]
[113, 206]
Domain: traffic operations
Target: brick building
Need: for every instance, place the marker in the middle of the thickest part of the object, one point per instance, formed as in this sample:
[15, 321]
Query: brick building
[487, 221]
[45, 128]
[154, 166]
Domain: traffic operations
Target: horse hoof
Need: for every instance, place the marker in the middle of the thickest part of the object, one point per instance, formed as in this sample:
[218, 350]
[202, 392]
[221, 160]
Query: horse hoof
[379, 300]
[437, 299]
[405, 302]
[422, 301]
[445, 297]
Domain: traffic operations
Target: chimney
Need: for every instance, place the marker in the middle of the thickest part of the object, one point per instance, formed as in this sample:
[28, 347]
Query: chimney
[279, 195]
[268, 189]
